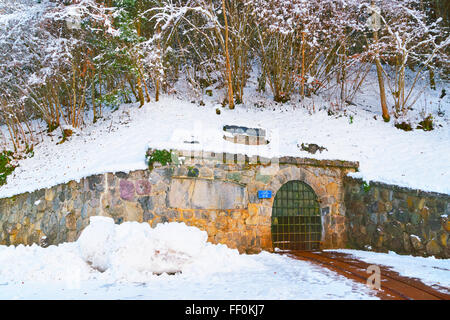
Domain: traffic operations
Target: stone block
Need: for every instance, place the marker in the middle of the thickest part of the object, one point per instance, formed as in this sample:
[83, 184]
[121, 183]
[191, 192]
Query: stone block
[50, 194]
[206, 172]
[416, 242]
[143, 187]
[433, 247]
[206, 194]
[126, 190]
[133, 212]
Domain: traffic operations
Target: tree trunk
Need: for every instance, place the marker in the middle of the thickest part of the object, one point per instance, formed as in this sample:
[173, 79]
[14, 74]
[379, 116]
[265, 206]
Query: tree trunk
[157, 85]
[432, 80]
[140, 93]
[230, 84]
[384, 108]
[302, 91]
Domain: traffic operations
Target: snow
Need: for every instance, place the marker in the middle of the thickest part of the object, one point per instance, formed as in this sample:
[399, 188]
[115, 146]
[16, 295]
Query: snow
[126, 261]
[431, 271]
[133, 251]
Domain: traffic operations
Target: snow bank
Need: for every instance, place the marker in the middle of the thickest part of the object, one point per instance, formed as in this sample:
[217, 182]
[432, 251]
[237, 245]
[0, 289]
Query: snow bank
[112, 261]
[131, 252]
[34, 263]
[134, 251]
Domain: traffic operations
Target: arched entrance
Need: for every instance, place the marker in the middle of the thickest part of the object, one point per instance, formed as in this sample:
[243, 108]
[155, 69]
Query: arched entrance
[296, 220]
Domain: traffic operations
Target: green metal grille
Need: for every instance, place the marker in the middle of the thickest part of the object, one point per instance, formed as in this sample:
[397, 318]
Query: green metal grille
[296, 221]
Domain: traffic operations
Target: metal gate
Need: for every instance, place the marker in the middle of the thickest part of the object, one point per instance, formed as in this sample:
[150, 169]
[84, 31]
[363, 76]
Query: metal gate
[296, 220]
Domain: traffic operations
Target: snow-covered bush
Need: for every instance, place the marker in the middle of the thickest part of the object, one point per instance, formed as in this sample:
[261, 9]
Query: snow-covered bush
[409, 42]
[304, 45]
[62, 61]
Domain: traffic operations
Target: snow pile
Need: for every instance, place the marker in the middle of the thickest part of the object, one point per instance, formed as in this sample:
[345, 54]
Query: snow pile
[33, 263]
[120, 261]
[134, 251]
[131, 252]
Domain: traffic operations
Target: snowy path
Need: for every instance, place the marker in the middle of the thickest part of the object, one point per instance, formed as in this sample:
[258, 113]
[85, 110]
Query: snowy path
[130, 253]
[112, 261]
[414, 159]
[431, 271]
[284, 278]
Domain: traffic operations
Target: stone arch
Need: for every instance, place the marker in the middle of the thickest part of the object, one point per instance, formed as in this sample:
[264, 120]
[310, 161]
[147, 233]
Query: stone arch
[297, 222]
[295, 173]
[328, 188]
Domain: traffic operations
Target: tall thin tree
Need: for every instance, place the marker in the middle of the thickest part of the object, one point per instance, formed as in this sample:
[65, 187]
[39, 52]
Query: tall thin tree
[227, 55]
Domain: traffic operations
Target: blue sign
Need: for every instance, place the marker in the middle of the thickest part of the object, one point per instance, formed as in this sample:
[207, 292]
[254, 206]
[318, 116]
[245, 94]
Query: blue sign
[264, 194]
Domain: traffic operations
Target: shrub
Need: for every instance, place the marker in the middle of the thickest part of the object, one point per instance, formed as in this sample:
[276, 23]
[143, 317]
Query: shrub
[426, 124]
[162, 156]
[6, 167]
[405, 126]
[366, 187]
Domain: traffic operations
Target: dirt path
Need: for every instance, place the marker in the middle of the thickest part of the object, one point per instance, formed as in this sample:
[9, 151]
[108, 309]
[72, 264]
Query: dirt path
[393, 286]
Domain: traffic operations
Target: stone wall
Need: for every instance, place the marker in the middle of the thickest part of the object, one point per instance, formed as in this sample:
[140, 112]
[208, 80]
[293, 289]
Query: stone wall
[382, 217]
[215, 192]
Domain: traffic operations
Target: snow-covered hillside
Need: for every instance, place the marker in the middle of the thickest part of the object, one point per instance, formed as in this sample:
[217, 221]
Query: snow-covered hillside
[415, 159]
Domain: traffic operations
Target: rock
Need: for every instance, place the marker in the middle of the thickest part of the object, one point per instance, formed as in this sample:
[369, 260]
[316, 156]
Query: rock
[373, 217]
[206, 172]
[332, 188]
[311, 148]
[160, 186]
[443, 239]
[415, 218]
[71, 221]
[433, 248]
[263, 178]
[388, 206]
[143, 187]
[146, 203]
[41, 205]
[147, 216]
[358, 207]
[43, 242]
[406, 242]
[188, 214]
[447, 225]
[434, 224]
[386, 195]
[401, 216]
[206, 194]
[416, 242]
[96, 183]
[219, 174]
[134, 212]
[126, 190]
[50, 194]
[234, 176]
[397, 244]
[84, 210]
[121, 175]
